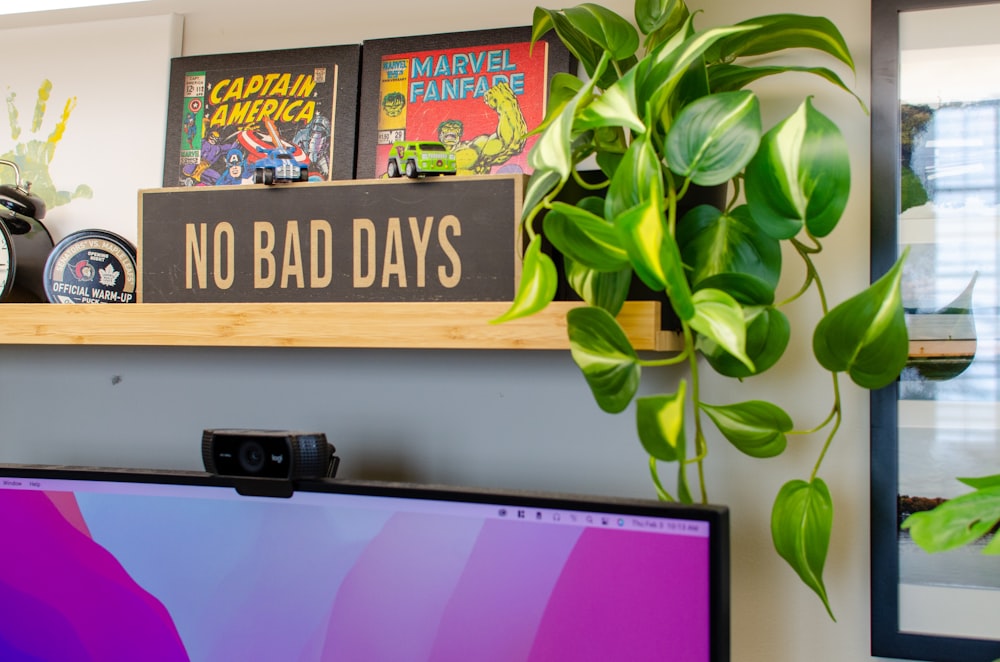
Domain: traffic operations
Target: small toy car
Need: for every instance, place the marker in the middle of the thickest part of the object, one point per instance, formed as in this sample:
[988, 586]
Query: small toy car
[418, 158]
[279, 163]
[279, 166]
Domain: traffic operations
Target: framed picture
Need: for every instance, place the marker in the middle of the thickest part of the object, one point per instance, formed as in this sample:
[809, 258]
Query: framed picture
[227, 112]
[936, 193]
[479, 93]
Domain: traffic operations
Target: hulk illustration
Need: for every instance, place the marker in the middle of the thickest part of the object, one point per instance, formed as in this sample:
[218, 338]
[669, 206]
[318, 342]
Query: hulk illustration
[479, 155]
[393, 104]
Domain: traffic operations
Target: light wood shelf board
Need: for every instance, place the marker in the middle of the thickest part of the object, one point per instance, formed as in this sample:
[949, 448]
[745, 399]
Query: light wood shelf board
[426, 325]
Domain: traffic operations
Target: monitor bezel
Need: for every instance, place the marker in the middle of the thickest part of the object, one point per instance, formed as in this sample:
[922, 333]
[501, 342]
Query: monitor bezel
[716, 516]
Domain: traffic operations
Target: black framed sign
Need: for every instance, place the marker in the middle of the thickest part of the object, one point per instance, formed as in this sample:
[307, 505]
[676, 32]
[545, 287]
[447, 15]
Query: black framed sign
[480, 93]
[936, 193]
[228, 111]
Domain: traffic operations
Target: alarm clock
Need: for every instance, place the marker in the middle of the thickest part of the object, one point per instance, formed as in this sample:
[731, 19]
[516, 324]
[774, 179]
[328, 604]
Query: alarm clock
[24, 242]
[7, 262]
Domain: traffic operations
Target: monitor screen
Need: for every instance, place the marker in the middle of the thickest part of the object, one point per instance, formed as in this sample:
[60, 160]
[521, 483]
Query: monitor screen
[117, 565]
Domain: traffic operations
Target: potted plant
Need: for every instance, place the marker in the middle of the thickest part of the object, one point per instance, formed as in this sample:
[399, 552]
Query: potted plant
[662, 114]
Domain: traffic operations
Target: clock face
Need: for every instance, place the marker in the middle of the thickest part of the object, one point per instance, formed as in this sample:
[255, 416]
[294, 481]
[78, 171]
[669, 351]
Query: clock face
[6, 261]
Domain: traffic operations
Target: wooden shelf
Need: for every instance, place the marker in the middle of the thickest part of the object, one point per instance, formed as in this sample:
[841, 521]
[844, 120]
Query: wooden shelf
[461, 325]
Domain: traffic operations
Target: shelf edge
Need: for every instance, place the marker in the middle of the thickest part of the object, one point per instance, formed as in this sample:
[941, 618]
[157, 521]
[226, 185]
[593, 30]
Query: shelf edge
[427, 325]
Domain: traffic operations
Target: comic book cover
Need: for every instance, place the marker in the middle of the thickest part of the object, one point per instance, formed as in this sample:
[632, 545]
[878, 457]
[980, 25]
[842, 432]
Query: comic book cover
[235, 118]
[481, 102]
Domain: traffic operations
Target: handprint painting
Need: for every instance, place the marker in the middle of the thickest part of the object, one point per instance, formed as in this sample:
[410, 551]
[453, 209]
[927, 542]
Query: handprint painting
[84, 125]
[34, 155]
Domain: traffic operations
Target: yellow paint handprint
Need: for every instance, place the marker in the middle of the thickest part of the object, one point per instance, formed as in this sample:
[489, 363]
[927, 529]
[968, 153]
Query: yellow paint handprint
[34, 156]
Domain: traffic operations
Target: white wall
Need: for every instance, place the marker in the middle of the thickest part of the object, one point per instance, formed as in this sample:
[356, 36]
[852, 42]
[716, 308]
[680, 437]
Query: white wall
[499, 419]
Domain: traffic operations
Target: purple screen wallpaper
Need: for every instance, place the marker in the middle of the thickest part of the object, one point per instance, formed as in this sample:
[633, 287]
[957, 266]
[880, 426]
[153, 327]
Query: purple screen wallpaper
[127, 573]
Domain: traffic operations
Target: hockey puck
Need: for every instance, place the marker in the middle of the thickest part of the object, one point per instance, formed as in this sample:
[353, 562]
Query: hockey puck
[91, 266]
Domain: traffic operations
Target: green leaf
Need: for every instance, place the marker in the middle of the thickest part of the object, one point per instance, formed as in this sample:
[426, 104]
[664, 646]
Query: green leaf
[644, 231]
[801, 523]
[610, 140]
[692, 86]
[779, 32]
[540, 184]
[981, 483]
[604, 354]
[539, 281]
[654, 254]
[660, 422]
[714, 138]
[576, 42]
[637, 179]
[866, 335]
[608, 161]
[746, 289]
[713, 243]
[584, 236]
[670, 61]
[605, 28]
[660, 19]
[603, 289]
[768, 333]
[552, 151]
[957, 522]
[801, 175]
[616, 106]
[562, 89]
[719, 318]
[728, 77]
[756, 428]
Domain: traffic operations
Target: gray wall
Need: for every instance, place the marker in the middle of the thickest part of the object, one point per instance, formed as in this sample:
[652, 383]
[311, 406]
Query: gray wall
[488, 418]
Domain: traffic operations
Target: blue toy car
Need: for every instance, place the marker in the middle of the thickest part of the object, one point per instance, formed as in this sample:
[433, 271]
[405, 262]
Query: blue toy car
[279, 166]
[279, 163]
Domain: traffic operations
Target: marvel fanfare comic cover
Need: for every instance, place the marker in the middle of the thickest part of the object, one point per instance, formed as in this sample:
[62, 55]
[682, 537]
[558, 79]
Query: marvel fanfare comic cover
[480, 102]
[234, 118]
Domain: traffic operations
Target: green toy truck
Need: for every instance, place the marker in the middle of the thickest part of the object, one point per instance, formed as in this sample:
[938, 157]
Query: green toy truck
[418, 158]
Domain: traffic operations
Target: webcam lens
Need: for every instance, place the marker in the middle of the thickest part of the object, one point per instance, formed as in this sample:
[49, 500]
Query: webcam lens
[252, 457]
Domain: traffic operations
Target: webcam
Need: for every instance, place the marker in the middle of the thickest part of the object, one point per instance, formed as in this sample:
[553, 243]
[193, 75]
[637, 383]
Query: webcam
[275, 454]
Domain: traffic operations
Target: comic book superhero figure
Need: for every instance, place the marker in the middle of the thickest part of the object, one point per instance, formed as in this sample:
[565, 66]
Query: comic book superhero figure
[204, 171]
[314, 140]
[480, 154]
[190, 129]
[235, 167]
[393, 104]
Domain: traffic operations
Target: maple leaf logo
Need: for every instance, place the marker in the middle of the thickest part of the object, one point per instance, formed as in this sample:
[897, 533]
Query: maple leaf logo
[108, 275]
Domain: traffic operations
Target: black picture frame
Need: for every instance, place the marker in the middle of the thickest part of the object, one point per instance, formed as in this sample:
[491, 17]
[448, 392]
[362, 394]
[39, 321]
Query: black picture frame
[888, 638]
[333, 90]
[477, 49]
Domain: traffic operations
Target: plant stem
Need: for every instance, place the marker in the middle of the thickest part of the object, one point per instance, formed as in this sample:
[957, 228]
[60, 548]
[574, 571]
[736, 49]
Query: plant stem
[826, 421]
[812, 275]
[736, 193]
[700, 446]
[833, 431]
[836, 414]
[587, 185]
[671, 204]
[660, 363]
[660, 491]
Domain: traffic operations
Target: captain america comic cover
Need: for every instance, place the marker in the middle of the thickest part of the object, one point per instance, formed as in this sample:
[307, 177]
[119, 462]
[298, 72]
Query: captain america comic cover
[229, 113]
[481, 102]
[235, 118]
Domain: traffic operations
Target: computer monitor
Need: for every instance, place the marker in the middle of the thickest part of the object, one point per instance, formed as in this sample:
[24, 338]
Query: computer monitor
[99, 564]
